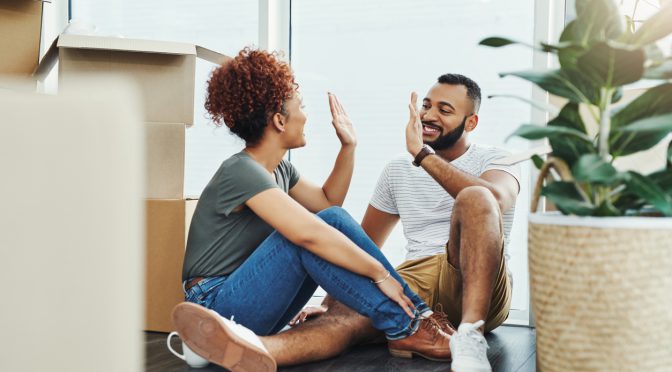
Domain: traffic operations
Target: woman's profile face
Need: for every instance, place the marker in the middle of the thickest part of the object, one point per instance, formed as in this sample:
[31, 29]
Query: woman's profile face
[295, 121]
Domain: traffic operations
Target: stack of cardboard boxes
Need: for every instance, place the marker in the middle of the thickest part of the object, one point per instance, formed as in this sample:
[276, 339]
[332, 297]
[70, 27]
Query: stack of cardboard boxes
[165, 75]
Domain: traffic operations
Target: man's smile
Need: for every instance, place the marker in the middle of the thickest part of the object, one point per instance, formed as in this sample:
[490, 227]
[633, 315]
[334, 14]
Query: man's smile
[429, 129]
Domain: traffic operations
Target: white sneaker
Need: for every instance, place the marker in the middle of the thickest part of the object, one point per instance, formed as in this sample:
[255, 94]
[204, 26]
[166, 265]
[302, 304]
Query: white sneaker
[469, 349]
[221, 341]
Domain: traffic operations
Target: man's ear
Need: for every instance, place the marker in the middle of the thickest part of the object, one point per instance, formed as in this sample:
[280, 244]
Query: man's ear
[472, 123]
[278, 121]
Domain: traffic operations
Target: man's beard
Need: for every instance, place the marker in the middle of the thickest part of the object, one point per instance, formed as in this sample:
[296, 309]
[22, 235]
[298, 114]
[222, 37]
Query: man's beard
[448, 140]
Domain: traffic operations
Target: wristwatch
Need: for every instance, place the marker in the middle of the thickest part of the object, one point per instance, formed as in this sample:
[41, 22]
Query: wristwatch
[426, 150]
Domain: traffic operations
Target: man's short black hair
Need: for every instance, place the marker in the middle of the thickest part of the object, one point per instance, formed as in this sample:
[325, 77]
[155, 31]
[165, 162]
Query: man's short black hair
[473, 90]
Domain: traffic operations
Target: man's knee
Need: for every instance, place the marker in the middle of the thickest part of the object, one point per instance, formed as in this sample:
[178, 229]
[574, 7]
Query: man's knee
[476, 200]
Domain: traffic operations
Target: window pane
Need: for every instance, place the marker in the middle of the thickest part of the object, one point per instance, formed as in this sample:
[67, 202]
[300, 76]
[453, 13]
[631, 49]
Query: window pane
[374, 53]
[222, 25]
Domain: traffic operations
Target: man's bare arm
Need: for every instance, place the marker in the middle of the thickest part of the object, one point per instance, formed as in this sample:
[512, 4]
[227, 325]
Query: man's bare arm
[502, 184]
[378, 225]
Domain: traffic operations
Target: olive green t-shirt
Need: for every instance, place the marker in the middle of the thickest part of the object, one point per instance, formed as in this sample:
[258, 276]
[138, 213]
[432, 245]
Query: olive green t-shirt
[221, 239]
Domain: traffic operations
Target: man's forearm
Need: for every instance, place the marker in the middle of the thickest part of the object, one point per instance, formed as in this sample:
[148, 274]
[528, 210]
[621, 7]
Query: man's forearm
[337, 184]
[452, 179]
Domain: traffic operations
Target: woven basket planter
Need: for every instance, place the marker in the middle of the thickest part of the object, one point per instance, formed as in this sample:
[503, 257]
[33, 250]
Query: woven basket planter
[601, 292]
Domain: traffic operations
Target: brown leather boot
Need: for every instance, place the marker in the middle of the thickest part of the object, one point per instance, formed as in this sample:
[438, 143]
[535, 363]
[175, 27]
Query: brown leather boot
[442, 319]
[429, 342]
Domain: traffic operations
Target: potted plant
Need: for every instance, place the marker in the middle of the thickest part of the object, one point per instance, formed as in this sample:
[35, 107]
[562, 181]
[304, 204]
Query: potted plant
[601, 270]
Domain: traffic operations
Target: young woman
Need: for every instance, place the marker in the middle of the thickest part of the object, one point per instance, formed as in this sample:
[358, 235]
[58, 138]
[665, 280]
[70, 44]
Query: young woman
[263, 237]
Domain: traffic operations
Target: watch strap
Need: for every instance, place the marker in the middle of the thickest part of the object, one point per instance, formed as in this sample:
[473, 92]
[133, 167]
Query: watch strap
[426, 150]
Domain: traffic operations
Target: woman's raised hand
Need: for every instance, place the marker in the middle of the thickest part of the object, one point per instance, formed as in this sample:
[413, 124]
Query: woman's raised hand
[341, 122]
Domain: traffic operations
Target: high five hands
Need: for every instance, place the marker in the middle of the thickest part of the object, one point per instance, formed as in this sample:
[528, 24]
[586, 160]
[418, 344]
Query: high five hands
[341, 122]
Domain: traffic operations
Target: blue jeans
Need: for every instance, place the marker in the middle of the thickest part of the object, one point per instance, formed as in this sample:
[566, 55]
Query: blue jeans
[279, 278]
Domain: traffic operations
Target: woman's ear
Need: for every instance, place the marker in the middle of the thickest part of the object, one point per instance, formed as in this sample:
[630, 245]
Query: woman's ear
[278, 121]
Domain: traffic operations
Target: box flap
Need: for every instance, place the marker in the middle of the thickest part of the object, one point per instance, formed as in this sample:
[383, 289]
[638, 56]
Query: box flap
[211, 56]
[132, 45]
[123, 44]
[48, 62]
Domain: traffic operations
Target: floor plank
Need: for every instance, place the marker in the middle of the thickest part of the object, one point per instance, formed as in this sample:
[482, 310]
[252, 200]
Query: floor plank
[511, 349]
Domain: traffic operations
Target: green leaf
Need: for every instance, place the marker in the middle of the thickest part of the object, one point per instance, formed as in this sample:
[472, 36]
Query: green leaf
[538, 161]
[565, 147]
[590, 91]
[567, 199]
[663, 179]
[568, 56]
[655, 28]
[646, 189]
[563, 47]
[628, 201]
[660, 123]
[654, 102]
[497, 42]
[641, 135]
[610, 66]
[597, 20]
[570, 117]
[606, 209]
[541, 106]
[592, 169]
[556, 82]
[535, 132]
[669, 156]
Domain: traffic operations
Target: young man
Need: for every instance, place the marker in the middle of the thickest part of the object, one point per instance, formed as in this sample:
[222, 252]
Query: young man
[456, 207]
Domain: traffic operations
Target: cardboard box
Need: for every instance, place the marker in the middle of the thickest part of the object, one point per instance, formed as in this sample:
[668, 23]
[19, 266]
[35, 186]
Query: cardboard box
[164, 71]
[71, 232]
[20, 32]
[167, 229]
[165, 160]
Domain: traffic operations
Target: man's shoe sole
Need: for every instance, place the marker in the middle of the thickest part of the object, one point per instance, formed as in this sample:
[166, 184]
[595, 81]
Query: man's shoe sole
[409, 354]
[208, 337]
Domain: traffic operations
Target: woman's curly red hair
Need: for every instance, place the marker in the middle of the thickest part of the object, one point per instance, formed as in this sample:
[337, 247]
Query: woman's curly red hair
[245, 93]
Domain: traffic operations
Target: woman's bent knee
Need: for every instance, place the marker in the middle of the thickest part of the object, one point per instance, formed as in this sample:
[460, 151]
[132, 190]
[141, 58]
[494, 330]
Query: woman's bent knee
[332, 214]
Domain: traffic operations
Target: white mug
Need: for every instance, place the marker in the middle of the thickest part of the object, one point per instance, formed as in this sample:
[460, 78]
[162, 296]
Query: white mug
[193, 360]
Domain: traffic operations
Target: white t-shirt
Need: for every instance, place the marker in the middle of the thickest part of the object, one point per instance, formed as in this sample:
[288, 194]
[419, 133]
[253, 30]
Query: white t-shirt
[424, 207]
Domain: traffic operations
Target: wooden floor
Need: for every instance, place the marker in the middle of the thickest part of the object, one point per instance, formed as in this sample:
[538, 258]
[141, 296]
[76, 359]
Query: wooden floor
[512, 349]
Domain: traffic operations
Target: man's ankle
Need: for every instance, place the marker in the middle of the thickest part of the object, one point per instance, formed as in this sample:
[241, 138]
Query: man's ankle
[473, 319]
